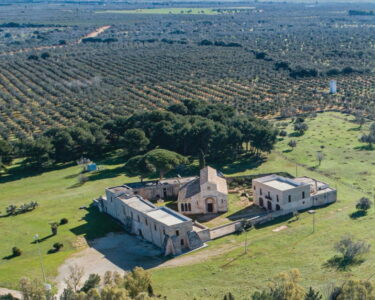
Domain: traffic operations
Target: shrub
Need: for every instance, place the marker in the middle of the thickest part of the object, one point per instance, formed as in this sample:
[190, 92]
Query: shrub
[351, 249]
[57, 246]
[16, 251]
[63, 221]
[364, 204]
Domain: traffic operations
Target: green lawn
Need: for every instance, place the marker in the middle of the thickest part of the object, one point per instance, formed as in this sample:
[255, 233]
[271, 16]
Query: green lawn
[347, 166]
[177, 10]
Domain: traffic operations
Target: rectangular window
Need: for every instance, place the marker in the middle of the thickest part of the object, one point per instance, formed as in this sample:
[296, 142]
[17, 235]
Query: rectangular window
[146, 221]
[277, 198]
[139, 219]
[182, 242]
[303, 195]
[260, 191]
[289, 198]
[154, 227]
[177, 233]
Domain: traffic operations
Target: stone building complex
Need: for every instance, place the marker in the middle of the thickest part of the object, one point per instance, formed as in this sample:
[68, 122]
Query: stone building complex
[169, 230]
[277, 193]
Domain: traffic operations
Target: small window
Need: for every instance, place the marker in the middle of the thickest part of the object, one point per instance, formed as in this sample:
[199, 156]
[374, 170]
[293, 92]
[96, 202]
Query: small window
[182, 207]
[277, 198]
[269, 194]
[163, 231]
[260, 191]
[139, 219]
[177, 233]
[303, 195]
[289, 198]
[189, 206]
[146, 221]
[154, 227]
[182, 242]
[303, 202]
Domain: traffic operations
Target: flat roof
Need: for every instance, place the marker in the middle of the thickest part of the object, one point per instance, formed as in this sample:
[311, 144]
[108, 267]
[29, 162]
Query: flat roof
[161, 214]
[137, 203]
[166, 217]
[280, 185]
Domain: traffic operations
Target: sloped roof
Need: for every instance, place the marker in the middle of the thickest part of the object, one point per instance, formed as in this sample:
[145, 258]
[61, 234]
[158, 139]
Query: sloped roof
[211, 175]
[190, 189]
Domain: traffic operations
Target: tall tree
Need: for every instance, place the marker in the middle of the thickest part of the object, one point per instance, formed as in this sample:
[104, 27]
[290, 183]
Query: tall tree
[164, 160]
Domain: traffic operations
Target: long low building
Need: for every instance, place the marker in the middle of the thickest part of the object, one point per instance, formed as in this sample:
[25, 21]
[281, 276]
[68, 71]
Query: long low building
[276, 193]
[165, 228]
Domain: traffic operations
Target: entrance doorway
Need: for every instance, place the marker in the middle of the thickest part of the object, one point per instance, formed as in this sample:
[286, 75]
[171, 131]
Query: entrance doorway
[210, 207]
[261, 202]
[269, 205]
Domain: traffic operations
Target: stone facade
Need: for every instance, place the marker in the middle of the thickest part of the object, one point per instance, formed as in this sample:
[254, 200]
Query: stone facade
[276, 193]
[206, 194]
[165, 228]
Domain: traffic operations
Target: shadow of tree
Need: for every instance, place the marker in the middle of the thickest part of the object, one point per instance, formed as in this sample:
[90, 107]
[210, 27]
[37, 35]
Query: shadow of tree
[9, 257]
[342, 264]
[96, 224]
[358, 214]
[21, 171]
[295, 134]
[107, 173]
[244, 163]
[287, 150]
[354, 129]
[364, 148]
[42, 239]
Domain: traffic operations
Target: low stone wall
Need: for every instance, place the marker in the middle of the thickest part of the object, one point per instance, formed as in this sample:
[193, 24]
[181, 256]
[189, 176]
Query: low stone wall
[223, 230]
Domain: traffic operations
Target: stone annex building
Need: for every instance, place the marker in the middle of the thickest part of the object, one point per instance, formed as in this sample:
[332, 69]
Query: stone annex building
[169, 230]
[277, 193]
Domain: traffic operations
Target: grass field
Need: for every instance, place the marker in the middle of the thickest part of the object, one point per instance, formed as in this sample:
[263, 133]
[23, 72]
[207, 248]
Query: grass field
[347, 166]
[177, 10]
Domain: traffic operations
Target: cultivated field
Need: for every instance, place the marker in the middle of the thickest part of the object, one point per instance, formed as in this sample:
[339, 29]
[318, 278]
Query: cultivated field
[207, 276]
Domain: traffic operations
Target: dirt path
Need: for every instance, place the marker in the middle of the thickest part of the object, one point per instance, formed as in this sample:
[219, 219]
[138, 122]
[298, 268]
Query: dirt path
[94, 33]
[14, 293]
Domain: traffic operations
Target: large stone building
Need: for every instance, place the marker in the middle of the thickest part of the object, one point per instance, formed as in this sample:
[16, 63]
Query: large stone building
[206, 194]
[171, 231]
[165, 228]
[276, 193]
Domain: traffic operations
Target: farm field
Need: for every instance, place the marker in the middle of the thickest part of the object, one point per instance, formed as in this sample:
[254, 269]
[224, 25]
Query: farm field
[268, 61]
[269, 252]
[179, 10]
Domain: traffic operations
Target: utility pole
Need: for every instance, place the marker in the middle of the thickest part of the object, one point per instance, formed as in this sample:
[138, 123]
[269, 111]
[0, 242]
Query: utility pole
[36, 238]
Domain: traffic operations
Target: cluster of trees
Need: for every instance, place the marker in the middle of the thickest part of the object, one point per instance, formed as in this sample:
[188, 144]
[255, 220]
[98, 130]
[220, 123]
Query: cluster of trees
[218, 44]
[286, 286]
[99, 40]
[135, 285]
[370, 137]
[212, 132]
[13, 210]
[192, 128]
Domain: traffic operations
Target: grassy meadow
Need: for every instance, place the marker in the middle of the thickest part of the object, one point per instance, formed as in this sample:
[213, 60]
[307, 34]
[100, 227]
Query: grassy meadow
[347, 165]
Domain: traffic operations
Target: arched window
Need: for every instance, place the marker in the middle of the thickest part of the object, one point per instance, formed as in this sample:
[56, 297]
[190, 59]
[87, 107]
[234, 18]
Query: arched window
[182, 206]
[189, 206]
